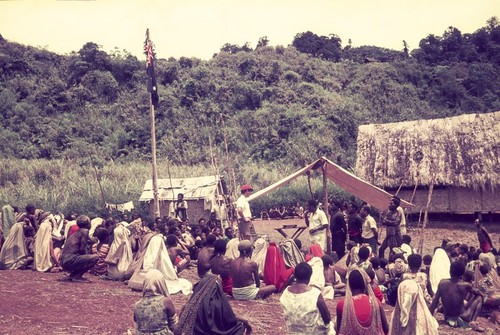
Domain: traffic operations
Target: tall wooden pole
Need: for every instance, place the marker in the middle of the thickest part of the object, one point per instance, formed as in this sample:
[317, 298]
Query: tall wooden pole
[156, 201]
[326, 205]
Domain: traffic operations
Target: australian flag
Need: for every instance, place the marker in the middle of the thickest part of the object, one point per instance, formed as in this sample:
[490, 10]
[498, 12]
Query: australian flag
[150, 59]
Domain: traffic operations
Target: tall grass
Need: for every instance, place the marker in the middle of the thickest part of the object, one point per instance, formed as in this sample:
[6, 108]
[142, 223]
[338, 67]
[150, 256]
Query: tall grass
[69, 186]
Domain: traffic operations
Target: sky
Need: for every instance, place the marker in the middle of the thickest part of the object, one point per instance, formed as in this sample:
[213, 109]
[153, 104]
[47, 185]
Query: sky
[199, 28]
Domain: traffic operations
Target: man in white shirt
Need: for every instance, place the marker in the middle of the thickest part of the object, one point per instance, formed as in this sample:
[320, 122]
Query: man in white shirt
[369, 232]
[245, 226]
[317, 222]
[402, 226]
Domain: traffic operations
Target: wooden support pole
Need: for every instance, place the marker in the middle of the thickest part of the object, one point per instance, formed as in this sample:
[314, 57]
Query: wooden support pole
[426, 218]
[326, 205]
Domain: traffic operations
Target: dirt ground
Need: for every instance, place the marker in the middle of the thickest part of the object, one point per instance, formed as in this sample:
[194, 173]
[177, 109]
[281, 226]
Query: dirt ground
[36, 303]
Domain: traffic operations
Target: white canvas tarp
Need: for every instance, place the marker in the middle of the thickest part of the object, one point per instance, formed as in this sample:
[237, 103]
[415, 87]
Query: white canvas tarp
[365, 191]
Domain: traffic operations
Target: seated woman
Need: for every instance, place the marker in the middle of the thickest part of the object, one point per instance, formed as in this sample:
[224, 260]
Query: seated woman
[411, 315]
[259, 254]
[208, 312]
[314, 251]
[291, 253]
[120, 254]
[101, 249]
[275, 271]
[45, 258]
[360, 312]
[304, 309]
[14, 254]
[155, 313]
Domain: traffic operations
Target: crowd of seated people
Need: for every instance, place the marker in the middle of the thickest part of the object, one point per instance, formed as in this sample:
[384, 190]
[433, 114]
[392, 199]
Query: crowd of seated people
[458, 280]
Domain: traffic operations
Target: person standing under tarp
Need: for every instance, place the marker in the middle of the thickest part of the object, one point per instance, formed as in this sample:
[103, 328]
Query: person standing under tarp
[317, 222]
[338, 228]
[245, 226]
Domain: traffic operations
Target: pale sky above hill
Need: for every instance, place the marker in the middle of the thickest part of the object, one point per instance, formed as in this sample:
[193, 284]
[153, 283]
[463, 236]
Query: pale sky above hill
[198, 28]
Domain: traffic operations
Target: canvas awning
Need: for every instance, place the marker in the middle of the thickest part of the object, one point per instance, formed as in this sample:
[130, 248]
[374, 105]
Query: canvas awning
[365, 191]
[192, 188]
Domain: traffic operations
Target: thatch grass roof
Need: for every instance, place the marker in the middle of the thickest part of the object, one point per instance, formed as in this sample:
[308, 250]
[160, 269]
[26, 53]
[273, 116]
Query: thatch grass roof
[456, 151]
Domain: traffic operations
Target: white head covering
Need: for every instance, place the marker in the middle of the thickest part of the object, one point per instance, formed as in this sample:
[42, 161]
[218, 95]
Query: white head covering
[440, 268]
[259, 253]
[155, 282]
[232, 251]
[120, 254]
[411, 315]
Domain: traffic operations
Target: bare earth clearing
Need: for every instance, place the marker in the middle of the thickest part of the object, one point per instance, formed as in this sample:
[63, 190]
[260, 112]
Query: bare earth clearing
[36, 303]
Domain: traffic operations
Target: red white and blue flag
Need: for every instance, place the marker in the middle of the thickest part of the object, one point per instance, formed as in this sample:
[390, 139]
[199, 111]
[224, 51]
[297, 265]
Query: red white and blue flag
[150, 61]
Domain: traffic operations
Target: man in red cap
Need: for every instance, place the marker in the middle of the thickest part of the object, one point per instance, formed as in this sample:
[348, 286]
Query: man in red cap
[245, 225]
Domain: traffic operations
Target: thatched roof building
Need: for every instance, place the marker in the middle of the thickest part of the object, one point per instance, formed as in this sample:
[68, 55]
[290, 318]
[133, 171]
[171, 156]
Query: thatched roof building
[460, 153]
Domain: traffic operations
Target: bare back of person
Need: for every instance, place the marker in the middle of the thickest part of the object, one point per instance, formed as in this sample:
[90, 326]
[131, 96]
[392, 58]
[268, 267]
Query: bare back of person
[204, 260]
[243, 271]
[76, 243]
[453, 295]
[221, 265]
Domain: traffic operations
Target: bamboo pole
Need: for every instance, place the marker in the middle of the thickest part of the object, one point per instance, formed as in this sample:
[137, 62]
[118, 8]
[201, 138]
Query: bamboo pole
[156, 202]
[426, 217]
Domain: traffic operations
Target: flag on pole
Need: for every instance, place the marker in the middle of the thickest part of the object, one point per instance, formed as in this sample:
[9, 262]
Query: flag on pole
[150, 60]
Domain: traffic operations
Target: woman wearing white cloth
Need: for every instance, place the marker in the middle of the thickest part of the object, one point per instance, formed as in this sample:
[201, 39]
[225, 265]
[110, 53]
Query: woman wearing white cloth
[44, 253]
[156, 257]
[259, 254]
[440, 268]
[120, 253]
[411, 315]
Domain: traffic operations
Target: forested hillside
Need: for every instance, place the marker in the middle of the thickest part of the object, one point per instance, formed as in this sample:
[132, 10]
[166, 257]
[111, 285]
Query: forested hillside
[288, 104]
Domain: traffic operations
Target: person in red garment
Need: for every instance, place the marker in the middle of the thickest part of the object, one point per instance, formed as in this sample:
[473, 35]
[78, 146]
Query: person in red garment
[275, 271]
[360, 313]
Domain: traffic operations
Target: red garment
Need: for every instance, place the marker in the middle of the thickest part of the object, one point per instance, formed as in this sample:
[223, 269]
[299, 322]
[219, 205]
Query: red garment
[314, 251]
[73, 230]
[227, 285]
[378, 293]
[485, 246]
[275, 271]
[361, 307]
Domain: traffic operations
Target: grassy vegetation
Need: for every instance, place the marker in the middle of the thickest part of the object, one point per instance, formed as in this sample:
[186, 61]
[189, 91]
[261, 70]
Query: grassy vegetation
[71, 186]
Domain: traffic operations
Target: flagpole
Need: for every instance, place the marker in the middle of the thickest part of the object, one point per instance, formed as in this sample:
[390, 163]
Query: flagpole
[153, 101]
[156, 204]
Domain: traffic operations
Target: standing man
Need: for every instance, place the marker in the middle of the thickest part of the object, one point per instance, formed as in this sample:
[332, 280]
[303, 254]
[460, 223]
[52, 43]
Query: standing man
[245, 226]
[392, 221]
[338, 228]
[181, 208]
[369, 232]
[354, 223]
[402, 226]
[317, 222]
[484, 238]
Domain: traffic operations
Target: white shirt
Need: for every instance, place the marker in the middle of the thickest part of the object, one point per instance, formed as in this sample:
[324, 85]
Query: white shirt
[243, 203]
[366, 228]
[316, 220]
[402, 226]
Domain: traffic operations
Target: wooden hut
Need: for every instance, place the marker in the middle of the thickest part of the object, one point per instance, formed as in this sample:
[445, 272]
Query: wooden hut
[200, 193]
[459, 155]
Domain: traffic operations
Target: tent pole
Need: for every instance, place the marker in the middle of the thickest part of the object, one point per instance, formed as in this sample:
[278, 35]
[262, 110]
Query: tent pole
[326, 205]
